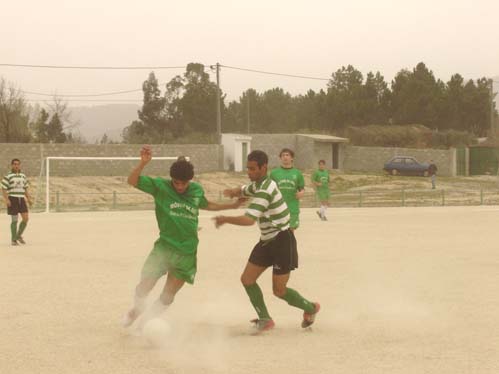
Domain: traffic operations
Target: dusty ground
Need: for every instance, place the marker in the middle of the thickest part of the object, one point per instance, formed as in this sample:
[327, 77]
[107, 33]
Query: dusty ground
[409, 290]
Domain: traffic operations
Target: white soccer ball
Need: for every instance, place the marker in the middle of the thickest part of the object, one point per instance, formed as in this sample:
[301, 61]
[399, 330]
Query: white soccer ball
[156, 332]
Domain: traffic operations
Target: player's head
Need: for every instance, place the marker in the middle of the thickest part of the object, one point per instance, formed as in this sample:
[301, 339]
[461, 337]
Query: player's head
[15, 165]
[257, 165]
[287, 156]
[181, 172]
[322, 164]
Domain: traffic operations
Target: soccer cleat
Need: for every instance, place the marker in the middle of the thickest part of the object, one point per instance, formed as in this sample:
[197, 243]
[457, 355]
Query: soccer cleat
[263, 325]
[309, 318]
[14, 242]
[21, 240]
[324, 218]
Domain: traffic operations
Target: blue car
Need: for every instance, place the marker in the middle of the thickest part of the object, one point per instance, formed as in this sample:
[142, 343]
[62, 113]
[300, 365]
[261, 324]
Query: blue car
[406, 165]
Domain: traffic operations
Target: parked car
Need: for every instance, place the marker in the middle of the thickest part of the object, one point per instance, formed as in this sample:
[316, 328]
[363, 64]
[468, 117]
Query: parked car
[406, 165]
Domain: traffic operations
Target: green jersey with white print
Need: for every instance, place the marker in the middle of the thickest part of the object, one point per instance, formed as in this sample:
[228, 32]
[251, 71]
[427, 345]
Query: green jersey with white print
[289, 181]
[177, 214]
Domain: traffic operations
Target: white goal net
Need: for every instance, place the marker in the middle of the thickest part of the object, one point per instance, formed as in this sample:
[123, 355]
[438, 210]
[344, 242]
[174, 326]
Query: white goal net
[92, 182]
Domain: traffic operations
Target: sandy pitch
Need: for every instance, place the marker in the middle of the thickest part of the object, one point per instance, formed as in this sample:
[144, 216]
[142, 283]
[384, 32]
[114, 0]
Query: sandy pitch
[403, 290]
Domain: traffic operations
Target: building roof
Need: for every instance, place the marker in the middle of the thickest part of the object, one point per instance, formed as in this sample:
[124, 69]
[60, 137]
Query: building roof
[325, 138]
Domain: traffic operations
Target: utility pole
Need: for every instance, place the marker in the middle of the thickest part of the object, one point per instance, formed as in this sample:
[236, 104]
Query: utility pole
[492, 127]
[248, 110]
[219, 116]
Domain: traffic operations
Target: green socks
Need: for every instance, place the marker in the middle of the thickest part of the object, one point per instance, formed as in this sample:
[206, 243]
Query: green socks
[256, 297]
[293, 298]
[22, 226]
[13, 230]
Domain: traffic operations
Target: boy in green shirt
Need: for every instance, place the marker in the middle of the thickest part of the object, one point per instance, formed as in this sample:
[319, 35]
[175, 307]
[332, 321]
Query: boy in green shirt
[291, 183]
[177, 203]
[320, 179]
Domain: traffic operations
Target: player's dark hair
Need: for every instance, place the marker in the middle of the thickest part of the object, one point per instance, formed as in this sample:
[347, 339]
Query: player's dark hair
[322, 162]
[287, 150]
[259, 157]
[14, 160]
[182, 170]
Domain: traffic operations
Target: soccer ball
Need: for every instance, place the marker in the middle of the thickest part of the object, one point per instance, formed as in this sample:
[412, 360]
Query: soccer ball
[156, 332]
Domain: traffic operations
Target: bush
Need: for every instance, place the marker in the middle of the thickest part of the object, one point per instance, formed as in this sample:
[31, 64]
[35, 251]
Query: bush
[408, 136]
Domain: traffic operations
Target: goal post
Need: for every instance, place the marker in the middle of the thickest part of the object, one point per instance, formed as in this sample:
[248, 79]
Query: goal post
[50, 158]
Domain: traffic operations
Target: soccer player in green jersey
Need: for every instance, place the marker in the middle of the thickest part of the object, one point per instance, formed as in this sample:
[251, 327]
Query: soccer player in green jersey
[177, 203]
[15, 192]
[320, 179]
[276, 247]
[291, 183]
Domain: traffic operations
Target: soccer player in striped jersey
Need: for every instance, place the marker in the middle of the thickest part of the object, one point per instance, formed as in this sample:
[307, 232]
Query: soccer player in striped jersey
[15, 193]
[277, 244]
[177, 202]
[291, 184]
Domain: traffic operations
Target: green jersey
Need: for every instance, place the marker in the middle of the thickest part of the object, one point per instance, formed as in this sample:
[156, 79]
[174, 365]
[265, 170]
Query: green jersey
[289, 181]
[321, 176]
[177, 214]
[15, 184]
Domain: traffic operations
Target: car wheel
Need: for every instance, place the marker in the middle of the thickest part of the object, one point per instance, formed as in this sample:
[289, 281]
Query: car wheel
[394, 172]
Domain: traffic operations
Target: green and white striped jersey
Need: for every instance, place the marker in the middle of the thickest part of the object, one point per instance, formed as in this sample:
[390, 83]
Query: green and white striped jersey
[15, 184]
[267, 206]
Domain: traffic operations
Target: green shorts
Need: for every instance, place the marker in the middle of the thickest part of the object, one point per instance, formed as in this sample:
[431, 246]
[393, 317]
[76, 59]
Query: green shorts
[163, 259]
[294, 220]
[323, 195]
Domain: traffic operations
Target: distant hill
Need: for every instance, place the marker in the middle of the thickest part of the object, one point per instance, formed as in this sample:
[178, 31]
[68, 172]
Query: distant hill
[110, 119]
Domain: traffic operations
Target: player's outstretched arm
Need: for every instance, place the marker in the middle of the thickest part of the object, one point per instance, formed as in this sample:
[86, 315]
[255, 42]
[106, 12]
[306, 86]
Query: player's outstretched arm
[237, 220]
[145, 157]
[233, 205]
[233, 192]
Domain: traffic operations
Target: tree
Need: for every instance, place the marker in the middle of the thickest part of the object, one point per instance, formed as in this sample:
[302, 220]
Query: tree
[40, 127]
[197, 107]
[104, 139]
[417, 97]
[14, 116]
[55, 130]
[153, 114]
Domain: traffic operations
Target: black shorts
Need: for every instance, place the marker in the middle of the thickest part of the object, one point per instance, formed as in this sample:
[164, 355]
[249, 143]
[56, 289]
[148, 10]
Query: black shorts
[17, 205]
[279, 252]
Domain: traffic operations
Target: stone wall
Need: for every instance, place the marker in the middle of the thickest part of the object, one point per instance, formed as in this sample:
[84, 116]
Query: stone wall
[272, 144]
[372, 159]
[205, 158]
[208, 157]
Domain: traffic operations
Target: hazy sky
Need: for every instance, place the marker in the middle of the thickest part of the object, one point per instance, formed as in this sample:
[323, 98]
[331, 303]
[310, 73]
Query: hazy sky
[312, 38]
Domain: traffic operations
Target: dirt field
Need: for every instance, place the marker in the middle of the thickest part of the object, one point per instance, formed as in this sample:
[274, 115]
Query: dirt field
[403, 290]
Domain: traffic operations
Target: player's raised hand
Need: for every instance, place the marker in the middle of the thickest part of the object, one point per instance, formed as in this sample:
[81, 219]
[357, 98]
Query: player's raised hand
[231, 192]
[146, 154]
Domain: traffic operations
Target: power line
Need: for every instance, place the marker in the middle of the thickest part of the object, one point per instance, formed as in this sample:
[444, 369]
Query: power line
[82, 95]
[272, 73]
[93, 67]
[89, 100]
